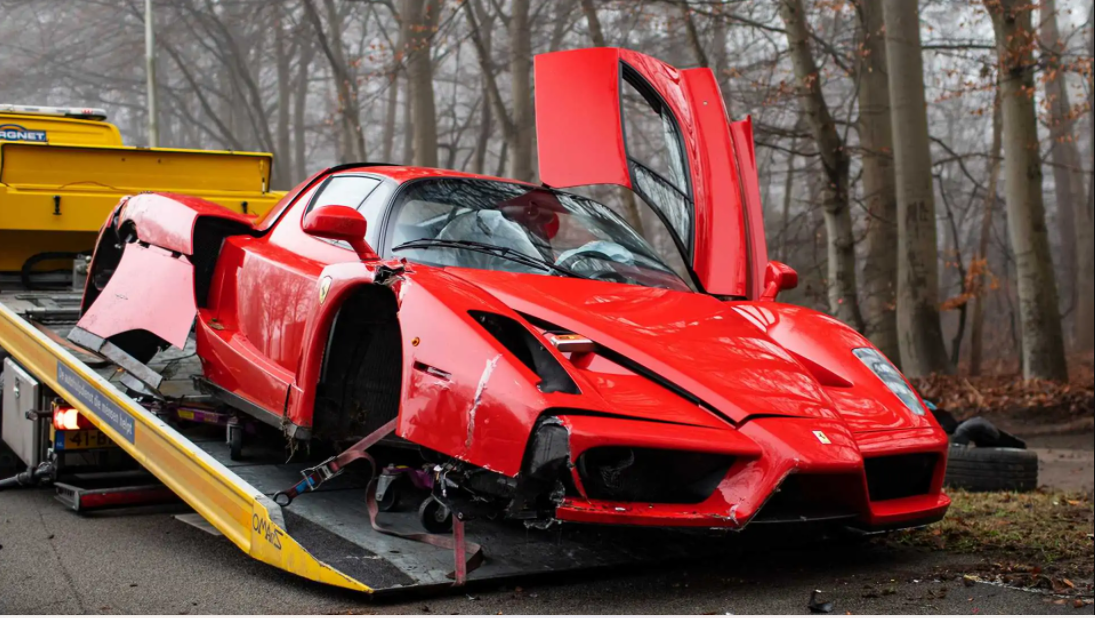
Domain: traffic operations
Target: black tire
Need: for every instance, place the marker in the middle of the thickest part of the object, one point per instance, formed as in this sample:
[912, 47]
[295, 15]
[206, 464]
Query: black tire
[390, 501]
[235, 441]
[992, 469]
[435, 517]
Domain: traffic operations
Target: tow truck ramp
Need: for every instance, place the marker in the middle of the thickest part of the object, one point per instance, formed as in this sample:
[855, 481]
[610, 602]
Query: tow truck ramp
[324, 536]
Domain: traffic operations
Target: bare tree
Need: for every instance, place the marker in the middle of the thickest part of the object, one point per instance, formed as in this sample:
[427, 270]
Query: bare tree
[524, 129]
[980, 262]
[876, 141]
[331, 42]
[391, 108]
[923, 351]
[260, 75]
[422, 16]
[283, 55]
[300, 107]
[596, 34]
[494, 94]
[1043, 349]
[1085, 230]
[843, 301]
[1068, 175]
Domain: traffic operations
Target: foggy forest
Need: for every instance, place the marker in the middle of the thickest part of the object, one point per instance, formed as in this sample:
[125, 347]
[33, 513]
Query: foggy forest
[926, 167]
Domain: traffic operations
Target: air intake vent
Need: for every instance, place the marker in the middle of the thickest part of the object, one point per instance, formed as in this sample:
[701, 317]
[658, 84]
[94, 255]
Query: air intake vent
[528, 349]
[622, 474]
[902, 476]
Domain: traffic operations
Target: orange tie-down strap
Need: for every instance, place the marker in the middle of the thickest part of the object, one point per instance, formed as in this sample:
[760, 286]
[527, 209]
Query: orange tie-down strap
[468, 556]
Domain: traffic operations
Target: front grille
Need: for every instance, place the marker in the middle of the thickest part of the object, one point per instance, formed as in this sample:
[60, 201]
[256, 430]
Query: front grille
[622, 474]
[901, 476]
[812, 497]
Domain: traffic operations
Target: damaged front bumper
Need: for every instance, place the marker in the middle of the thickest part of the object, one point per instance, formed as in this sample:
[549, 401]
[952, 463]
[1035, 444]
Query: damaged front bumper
[774, 471]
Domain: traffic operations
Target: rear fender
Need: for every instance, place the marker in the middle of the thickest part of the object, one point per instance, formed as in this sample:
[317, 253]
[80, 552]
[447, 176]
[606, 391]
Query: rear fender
[151, 270]
[170, 221]
[144, 295]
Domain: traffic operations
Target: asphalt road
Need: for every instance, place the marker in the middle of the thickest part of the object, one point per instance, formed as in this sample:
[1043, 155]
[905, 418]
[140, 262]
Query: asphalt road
[57, 562]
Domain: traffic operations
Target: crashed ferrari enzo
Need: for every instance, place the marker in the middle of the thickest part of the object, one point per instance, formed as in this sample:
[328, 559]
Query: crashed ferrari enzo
[549, 364]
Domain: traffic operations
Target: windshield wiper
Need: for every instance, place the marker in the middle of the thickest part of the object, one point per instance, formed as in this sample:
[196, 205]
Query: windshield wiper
[502, 252]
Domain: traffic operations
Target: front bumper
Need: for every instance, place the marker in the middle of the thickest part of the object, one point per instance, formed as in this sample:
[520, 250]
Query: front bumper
[783, 470]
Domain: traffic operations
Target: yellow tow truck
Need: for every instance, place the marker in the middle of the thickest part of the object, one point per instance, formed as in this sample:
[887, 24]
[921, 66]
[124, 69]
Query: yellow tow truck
[63, 169]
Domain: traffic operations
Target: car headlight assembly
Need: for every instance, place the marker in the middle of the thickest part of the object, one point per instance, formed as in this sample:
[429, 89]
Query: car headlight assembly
[892, 378]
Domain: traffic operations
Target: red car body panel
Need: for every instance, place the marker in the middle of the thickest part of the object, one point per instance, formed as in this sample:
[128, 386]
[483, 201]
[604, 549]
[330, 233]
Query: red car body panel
[131, 301]
[168, 220]
[580, 133]
[772, 390]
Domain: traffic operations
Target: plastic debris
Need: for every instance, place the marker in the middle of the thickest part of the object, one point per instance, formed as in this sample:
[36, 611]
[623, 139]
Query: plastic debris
[817, 606]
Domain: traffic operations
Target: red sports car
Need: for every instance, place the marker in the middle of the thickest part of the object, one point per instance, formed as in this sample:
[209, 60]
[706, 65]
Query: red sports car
[545, 358]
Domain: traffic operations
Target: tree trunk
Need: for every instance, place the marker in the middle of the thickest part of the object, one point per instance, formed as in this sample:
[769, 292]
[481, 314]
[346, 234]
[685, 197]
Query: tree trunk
[788, 199]
[843, 302]
[300, 106]
[563, 10]
[1043, 346]
[923, 351]
[353, 138]
[494, 94]
[1068, 175]
[720, 62]
[482, 141]
[408, 123]
[694, 36]
[283, 161]
[391, 110]
[876, 139]
[522, 166]
[595, 31]
[1085, 240]
[422, 15]
[981, 260]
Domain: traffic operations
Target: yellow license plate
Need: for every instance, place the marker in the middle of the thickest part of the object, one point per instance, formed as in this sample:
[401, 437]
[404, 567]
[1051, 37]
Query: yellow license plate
[81, 440]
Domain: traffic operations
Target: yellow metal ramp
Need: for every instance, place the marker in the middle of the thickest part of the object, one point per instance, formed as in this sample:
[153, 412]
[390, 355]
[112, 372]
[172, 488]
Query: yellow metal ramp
[325, 536]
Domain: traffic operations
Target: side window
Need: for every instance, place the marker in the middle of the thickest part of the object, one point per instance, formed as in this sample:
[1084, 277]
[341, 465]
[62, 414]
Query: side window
[373, 209]
[355, 192]
[349, 191]
[655, 151]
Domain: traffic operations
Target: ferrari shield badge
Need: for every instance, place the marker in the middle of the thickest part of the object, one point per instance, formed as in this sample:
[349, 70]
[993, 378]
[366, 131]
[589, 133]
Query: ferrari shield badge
[822, 438]
[324, 288]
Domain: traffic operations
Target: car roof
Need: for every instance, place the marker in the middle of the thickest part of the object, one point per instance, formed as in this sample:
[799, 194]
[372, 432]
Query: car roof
[403, 174]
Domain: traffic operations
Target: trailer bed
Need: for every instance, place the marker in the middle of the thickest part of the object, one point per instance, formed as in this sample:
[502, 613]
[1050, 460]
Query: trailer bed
[325, 536]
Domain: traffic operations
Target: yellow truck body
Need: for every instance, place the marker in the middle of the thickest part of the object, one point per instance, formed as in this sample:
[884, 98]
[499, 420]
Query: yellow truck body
[60, 176]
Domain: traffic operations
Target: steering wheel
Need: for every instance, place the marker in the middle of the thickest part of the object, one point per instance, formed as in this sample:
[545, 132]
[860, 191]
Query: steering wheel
[604, 275]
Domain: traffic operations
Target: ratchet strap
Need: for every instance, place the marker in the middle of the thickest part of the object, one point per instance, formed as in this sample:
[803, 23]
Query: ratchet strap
[468, 556]
[320, 474]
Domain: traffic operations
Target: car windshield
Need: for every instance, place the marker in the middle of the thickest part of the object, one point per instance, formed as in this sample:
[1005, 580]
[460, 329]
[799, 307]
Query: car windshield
[482, 224]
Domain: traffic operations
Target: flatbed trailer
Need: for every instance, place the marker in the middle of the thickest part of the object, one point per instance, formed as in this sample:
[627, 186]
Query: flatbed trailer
[325, 536]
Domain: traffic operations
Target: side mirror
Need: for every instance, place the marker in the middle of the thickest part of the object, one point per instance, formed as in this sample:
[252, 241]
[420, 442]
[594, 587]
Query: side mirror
[778, 278]
[340, 223]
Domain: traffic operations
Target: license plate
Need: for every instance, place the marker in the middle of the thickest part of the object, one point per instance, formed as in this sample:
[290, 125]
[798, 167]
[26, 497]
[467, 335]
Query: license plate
[81, 440]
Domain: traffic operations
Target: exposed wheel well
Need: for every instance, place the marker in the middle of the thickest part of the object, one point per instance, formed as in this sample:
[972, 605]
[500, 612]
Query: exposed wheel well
[361, 378]
[209, 235]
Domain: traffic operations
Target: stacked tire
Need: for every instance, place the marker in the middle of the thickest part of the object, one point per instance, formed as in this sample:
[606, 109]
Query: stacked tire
[992, 469]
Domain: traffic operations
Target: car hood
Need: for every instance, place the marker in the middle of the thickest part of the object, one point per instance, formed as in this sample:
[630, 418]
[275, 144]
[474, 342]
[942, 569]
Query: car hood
[712, 349]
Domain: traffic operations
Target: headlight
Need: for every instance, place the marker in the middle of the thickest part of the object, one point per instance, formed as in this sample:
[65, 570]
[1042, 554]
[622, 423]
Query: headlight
[891, 377]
